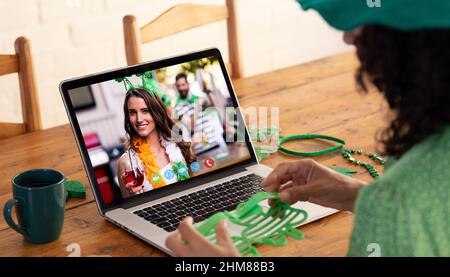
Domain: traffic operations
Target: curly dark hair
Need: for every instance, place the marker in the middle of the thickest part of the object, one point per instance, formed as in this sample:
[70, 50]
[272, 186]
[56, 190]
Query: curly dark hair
[412, 70]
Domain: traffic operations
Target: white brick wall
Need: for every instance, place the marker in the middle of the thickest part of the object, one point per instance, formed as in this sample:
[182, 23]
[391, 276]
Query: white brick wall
[76, 37]
[101, 28]
[56, 11]
[10, 110]
[18, 14]
[48, 38]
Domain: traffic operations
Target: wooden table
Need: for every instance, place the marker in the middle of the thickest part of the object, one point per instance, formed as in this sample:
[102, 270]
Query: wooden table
[318, 97]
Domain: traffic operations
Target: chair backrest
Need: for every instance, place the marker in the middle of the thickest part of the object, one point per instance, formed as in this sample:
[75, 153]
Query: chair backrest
[22, 63]
[180, 18]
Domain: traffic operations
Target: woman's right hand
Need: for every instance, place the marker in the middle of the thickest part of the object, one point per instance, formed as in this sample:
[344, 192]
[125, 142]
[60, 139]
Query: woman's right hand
[131, 186]
[307, 180]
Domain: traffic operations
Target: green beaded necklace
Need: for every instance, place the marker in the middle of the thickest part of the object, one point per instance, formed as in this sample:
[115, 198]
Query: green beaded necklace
[260, 134]
[346, 153]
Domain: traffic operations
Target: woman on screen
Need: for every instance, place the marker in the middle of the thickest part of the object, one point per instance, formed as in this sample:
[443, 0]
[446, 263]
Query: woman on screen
[153, 159]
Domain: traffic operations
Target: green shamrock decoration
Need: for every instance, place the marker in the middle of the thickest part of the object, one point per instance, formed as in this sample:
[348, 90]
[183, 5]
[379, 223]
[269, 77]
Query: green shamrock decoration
[261, 225]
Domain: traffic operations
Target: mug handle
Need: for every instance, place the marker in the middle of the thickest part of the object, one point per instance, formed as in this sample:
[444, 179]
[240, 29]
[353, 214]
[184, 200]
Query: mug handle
[7, 215]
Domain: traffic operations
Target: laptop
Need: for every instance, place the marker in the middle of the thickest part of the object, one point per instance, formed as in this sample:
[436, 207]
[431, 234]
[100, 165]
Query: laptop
[144, 178]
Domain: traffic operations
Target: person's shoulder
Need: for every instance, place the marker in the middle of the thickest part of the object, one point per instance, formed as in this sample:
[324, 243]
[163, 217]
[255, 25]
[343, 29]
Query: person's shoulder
[123, 158]
[412, 189]
[418, 180]
[425, 164]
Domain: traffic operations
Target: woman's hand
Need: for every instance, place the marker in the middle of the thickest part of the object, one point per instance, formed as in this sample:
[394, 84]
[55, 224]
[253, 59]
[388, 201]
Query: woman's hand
[131, 186]
[188, 242]
[307, 180]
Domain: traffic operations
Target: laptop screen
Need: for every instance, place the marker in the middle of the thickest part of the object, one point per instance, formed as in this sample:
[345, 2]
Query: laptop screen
[158, 127]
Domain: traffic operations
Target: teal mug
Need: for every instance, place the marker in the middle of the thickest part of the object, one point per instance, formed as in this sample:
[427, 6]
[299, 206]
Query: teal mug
[38, 195]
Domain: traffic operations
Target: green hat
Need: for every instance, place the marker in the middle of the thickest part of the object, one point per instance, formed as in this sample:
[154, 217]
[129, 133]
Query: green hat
[398, 14]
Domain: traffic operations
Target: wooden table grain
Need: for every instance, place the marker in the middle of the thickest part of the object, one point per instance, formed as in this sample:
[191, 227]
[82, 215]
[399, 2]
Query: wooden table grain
[317, 97]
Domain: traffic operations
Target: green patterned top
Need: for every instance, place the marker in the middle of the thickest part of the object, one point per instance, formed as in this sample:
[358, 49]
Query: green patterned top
[406, 212]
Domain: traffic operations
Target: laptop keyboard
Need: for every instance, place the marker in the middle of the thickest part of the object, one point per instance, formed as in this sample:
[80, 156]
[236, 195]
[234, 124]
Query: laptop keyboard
[203, 203]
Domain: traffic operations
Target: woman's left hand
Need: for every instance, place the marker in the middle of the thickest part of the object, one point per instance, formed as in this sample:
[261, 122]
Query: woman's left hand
[188, 242]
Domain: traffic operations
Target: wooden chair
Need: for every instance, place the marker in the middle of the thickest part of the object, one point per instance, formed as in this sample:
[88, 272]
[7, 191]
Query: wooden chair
[180, 18]
[22, 64]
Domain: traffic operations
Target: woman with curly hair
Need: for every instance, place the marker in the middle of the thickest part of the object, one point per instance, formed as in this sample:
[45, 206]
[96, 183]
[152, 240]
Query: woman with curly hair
[154, 158]
[404, 50]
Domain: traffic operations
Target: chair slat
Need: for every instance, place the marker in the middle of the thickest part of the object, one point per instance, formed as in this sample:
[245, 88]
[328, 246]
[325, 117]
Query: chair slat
[180, 18]
[11, 129]
[8, 64]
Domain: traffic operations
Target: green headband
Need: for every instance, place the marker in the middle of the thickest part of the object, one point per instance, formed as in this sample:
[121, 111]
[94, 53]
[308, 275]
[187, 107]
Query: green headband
[404, 15]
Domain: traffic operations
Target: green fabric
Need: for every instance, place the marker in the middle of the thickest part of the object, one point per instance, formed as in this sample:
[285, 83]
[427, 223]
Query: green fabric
[399, 14]
[191, 100]
[407, 210]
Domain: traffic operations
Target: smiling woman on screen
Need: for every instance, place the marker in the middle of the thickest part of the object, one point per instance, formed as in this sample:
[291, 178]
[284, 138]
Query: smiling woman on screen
[153, 158]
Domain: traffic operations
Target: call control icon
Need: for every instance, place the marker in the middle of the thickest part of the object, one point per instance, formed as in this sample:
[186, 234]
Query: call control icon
[208, 162]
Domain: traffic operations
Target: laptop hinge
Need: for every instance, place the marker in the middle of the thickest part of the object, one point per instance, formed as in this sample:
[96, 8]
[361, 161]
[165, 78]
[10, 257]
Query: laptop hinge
[178, 188]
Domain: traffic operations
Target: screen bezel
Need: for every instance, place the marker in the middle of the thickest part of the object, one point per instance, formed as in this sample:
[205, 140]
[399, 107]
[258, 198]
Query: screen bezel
[87, 80]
